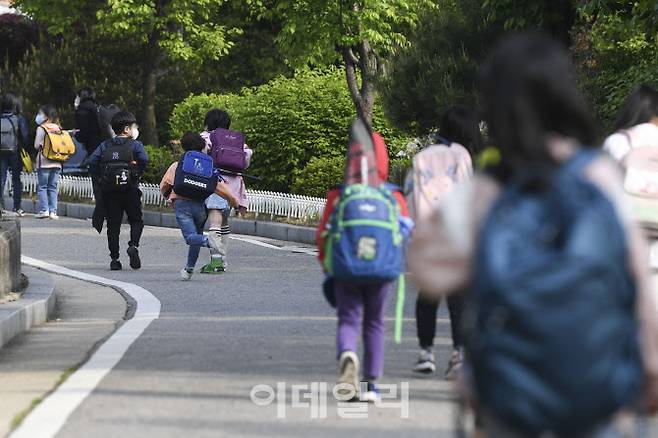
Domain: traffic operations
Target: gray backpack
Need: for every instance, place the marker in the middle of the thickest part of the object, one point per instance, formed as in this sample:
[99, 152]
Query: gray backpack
[8, 135]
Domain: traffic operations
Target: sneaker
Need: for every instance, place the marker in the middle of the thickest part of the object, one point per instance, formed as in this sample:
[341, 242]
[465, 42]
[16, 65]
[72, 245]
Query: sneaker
[186, 274]
[54, 216]
[19, 211]
[42, 215]
[426, 363]
[115, 265]
[133, 254]
[455, 364]
[348, 375]
[372, 394]
[216, 266]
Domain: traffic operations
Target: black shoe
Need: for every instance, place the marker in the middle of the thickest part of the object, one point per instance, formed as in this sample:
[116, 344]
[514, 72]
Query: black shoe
[133, 253]
[115, 265]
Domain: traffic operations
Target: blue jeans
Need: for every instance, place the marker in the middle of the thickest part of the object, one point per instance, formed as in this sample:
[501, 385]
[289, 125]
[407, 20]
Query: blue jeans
[47, 189]
[191, 216]
[11, 162]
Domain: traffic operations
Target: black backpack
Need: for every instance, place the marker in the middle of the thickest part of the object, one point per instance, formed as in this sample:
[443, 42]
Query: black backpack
[8, 134]
[117, 166]
[105, 114]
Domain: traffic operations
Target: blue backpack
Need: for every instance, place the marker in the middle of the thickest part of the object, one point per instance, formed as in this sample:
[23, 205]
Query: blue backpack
[196, 177]
[365, 244]
[553, 340]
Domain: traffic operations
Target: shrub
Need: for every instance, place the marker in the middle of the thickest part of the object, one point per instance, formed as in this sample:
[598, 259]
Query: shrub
[160, 158]
[287, 122]
[319, 175]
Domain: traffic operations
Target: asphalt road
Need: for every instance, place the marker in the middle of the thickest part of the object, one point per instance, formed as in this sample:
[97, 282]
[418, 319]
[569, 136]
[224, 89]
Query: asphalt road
[264, 322]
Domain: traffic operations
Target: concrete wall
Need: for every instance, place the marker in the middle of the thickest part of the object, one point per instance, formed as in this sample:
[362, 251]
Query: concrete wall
[10, 256]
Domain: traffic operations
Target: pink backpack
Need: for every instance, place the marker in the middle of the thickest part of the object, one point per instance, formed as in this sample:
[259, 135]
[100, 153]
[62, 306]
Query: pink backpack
[436, 171]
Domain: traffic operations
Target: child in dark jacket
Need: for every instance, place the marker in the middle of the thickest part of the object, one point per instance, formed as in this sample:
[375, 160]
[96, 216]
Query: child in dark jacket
[360, 305]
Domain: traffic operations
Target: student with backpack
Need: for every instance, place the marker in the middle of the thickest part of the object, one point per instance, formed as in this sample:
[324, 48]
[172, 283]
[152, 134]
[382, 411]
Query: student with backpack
[562, 329]
[117, 166]
[14, 136]
[54, 146]
[187, 184]
[437, 171]
[361, 240]
[217, 124]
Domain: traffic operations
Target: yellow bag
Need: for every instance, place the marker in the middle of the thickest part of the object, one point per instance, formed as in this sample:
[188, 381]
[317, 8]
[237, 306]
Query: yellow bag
[27, 161]
[58, 145]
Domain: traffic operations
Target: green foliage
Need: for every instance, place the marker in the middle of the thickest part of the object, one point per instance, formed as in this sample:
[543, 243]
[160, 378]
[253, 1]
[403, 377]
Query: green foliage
[620, 50]
[160, 158]
[287, 122]
[319, 174]
[313, 29]
[440, 67]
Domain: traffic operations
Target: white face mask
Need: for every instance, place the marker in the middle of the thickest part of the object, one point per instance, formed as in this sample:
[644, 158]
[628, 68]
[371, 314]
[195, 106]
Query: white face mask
[135, 133]
[76, 102]
[40, 119]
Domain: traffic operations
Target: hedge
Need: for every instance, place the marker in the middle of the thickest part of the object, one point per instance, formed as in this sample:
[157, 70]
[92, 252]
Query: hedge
[287, 122]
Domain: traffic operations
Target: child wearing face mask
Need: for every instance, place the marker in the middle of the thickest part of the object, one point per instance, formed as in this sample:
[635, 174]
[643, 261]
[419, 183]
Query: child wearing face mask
[116, 166]
[48, 171]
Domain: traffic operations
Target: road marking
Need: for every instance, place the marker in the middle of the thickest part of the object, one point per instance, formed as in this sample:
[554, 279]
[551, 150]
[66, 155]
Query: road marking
[295, 249]
[48, 418]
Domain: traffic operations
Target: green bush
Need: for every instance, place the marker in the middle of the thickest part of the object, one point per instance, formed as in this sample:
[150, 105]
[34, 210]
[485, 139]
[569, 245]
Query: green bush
[160, 158]
[318, 175]
[287, 122]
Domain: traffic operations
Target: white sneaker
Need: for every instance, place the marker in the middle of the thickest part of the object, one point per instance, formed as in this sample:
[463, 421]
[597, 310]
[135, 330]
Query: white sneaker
[426, 363]
[54, 216]
[185, 275]
[348, 375]
[42, 215]
[455, 364]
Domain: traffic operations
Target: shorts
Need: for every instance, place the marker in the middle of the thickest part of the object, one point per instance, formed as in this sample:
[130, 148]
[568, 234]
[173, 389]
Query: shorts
[216, 202]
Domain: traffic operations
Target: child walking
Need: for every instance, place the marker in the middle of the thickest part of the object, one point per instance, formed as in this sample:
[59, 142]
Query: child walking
[187, 184]
[219, 210]
[48, 171]
[361, 302]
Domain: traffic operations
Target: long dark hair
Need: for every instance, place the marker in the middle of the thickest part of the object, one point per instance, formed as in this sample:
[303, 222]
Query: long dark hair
[50, 112]
[640, 106]
[460, 124]
[529, 94]
[87, 94]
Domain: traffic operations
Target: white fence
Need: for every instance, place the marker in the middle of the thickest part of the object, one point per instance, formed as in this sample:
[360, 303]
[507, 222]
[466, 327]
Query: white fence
[260, 202]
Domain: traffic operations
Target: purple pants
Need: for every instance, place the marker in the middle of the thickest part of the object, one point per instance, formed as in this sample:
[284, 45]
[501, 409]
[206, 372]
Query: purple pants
[357, 305]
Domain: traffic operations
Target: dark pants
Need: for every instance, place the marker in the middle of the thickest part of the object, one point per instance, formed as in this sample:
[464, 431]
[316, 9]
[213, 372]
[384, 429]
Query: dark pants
[116, 204]
[426, 310]
[11, 162]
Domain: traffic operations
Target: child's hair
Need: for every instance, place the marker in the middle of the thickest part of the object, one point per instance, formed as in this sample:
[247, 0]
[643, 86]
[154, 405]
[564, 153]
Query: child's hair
[121, 121]
[191, 141]
[530, 94]
[50, 112]
[640, 107]
[217, 118]
[11, 103]
[459, 124]
[86, 93]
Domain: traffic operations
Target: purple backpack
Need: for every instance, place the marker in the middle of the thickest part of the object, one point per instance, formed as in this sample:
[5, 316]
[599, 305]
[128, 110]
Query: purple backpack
[227, 150]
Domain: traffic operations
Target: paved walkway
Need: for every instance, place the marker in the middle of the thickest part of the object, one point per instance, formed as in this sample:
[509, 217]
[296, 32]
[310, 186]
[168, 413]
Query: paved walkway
[33, 363]
[264, 322]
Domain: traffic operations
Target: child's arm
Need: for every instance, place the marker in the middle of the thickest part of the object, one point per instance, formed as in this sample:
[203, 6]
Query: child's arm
[223, 191]
[332, 198]
[167, 183]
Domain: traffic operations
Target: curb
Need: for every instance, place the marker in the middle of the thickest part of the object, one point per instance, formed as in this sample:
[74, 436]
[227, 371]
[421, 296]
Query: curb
[33, 308]
[271, 230]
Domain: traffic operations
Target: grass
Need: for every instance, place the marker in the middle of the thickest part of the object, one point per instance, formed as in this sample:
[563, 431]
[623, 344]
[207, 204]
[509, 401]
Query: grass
[18, 419]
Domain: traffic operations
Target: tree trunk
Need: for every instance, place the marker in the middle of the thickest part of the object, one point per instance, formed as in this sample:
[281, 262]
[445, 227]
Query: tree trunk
[149, 89]
[368, 66]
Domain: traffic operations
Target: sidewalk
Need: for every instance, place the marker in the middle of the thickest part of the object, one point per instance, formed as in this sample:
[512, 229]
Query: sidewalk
[34, 363]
